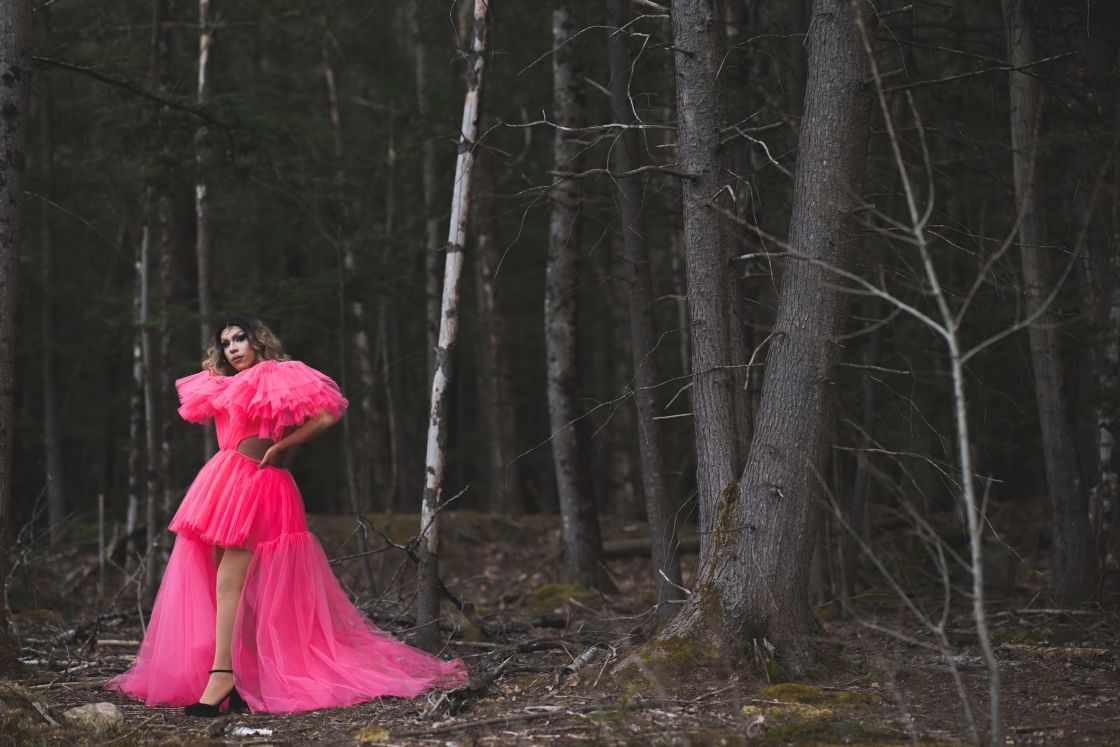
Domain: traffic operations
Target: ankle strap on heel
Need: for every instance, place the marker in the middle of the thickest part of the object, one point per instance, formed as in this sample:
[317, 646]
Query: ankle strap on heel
[224, 671]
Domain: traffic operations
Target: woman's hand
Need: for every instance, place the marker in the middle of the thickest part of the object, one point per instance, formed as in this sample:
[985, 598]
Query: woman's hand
[311, 429]
[274, 457]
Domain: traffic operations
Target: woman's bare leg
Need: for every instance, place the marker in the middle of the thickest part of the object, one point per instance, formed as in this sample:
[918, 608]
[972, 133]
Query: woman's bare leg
[233, 562]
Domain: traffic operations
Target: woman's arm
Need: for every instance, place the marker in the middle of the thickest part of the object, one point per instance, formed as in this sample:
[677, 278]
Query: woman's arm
[309, 431]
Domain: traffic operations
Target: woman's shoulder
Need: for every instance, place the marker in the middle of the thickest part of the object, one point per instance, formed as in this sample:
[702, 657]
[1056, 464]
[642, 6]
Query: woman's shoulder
[197, 393]
[281, 391]
[274, 372]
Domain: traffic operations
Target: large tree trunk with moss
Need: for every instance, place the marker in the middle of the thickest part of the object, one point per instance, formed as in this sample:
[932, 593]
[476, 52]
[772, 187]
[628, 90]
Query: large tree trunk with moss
[15, 89]
[643, 337]
[754, 571]
[719, 396]
[583, 547]
[1075, 577]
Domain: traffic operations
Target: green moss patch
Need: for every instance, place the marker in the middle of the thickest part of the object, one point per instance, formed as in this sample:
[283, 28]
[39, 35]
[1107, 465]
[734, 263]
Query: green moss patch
[557, 595]
[790, 692]
[818, 732]
[674, 652]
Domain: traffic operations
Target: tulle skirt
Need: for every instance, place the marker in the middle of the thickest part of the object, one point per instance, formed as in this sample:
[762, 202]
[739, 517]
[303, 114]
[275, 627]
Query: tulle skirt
[298, 642]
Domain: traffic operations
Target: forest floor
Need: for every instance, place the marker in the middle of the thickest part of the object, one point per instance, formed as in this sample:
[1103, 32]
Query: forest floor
[1060, 670]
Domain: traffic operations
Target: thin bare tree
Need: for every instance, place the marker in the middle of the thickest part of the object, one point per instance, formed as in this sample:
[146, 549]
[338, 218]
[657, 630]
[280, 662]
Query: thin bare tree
[1075, 577]
[494, 378]
[583, 546]
[203, 207]
[15, 93]
[427, 616]
[432, 279]
[56, 498]
[665, 566]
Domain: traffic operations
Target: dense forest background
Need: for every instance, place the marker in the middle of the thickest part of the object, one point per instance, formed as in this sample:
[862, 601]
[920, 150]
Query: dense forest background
[312, 150]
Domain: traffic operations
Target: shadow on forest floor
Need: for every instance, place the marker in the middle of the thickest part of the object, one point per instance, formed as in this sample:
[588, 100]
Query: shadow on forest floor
[1060, 670]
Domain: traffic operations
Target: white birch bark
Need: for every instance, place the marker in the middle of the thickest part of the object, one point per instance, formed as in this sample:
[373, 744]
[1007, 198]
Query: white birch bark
[428, 603]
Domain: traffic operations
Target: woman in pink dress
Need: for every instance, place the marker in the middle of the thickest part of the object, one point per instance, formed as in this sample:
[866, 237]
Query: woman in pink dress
[249, 612]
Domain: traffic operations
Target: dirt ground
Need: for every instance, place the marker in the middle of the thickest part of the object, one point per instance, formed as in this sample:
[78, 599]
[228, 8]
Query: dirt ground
[1059, 669]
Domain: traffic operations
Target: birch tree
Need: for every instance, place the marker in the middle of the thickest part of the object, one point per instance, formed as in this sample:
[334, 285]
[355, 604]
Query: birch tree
[753, 580]
[427, 615]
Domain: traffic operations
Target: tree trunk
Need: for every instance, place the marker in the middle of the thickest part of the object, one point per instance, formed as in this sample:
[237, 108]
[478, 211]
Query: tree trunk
[203, 209]
[427, 616]
[15, 72]
[665, 566]
[1075, 577]
[754, 574]
[495, 381]
[680, 290]
[56, 499]
[851, 535]
[135, 425]
[720, 404]
[620, 431]
[168, 397]
[583, 547]
[151, 449]
[433, 282]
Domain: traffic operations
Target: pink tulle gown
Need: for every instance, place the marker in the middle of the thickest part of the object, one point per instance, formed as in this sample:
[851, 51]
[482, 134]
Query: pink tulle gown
[298, 642]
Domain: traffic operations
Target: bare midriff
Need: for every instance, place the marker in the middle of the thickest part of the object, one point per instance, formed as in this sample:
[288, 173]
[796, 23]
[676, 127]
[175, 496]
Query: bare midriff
[254, 447]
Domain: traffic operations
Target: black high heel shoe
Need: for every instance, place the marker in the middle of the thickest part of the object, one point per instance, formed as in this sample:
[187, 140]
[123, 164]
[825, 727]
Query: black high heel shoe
[205, 710]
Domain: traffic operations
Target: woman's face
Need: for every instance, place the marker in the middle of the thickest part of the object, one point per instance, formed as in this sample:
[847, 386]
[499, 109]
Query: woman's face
[235, 345]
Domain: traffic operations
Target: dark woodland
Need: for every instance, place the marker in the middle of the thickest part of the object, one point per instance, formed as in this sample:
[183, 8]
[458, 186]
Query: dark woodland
[720, 371]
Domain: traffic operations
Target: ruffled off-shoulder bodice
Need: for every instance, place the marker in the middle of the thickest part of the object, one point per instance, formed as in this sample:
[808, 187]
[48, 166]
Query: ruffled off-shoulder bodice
[260, 401]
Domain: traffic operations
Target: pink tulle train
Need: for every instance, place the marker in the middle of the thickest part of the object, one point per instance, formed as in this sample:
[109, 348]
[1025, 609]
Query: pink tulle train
[298, 642]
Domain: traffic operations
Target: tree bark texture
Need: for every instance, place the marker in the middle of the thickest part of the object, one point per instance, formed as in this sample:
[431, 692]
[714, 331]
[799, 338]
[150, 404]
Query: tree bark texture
[15, 90]
[753, 581]
[203, 208]
[579, 515]
[427, 616]
[665, 565]
[720, 403]
[56, 498]
[496, 382]
[1075, 577]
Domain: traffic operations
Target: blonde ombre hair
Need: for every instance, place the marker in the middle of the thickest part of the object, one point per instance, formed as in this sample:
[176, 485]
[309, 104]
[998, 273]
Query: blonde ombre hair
[266, 345]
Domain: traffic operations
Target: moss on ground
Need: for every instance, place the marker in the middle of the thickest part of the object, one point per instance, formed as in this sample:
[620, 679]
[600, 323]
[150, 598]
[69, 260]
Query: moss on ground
[791, 692]
[818, 732]
[674, 652]
[557, 595]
